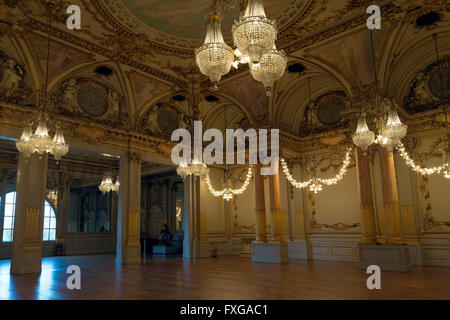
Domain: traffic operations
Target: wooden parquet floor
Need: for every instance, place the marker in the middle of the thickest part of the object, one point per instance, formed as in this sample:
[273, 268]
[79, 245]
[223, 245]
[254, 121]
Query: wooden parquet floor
[224, 278]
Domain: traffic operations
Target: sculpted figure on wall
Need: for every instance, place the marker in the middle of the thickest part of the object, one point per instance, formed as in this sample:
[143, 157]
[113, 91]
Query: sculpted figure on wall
[114, 102]
[421, 93]
[153, 120]
[91, 98]
[69, 102]
[11, 77]
[182, 123]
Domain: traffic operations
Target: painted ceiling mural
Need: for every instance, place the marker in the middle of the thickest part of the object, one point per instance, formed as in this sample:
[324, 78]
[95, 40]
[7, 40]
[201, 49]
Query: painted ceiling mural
[62, 57]
[146, 89]
[170, 20]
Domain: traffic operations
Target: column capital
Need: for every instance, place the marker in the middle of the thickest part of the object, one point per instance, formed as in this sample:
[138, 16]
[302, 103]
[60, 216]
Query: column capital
[134, 156]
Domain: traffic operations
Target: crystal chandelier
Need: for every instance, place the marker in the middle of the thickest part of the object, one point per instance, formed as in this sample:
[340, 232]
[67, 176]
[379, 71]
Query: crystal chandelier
[391, 132]
[254, 34]
[394, 130]
[24, 144]
[40, 142]
[363, 137]
[107, 184]
[60, 147]
[182, 170]
[270, 69]
[214, 57]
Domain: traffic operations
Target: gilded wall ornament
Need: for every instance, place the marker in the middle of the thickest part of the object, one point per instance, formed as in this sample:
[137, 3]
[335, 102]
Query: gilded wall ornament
[425, 90]
[90, 98]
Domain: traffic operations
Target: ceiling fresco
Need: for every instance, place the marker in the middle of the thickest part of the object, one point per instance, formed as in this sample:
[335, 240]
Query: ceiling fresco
[174, 23]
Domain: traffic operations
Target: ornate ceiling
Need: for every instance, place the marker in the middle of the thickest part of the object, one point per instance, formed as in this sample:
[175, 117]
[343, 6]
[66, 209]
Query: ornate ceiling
[122, 70]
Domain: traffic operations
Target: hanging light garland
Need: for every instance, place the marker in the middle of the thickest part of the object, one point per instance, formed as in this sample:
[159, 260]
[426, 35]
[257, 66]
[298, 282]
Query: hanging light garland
[444, 168]
[228, 192]
[315, 183]
[410, 162]
[40, 142]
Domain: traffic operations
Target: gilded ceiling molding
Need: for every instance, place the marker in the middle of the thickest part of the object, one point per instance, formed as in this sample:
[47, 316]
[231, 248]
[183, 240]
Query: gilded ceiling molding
[159, 47]
[32, 24]
[387, 10]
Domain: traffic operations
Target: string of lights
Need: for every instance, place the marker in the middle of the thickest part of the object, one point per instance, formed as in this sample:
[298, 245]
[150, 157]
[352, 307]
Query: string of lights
[315, 185]
[417, 168]
[227, 192]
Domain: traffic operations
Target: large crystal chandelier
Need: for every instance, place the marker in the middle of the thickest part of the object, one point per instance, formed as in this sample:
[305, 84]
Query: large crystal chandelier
[363, 137]
[390, 132]
[394, 130]
[270, 69]
[254, 36]
[214, 57]
[24, 143]
[253, 33]
[107, 184]
[60, 147]
[40, 142]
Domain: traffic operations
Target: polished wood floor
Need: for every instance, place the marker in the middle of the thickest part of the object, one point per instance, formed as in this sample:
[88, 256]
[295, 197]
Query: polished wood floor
[218, 278]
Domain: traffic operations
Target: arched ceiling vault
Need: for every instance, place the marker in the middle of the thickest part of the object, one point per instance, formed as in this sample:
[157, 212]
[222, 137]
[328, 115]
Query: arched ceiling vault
[328, 37]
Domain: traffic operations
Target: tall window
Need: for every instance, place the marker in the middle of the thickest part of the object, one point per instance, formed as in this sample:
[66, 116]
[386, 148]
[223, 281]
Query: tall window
[8, 221]
[49, 222]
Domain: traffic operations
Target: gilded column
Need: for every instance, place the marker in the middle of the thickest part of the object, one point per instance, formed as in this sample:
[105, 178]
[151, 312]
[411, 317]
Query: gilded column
[128, 225]
[260, 206]
[29, 214]
[369, 231]
[63, 206]
[275, 207]
[391, 210]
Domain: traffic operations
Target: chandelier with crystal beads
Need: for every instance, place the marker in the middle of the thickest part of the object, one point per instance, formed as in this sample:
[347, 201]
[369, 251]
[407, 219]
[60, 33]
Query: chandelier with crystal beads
[253, 33]
[107, 184]
[41, 140]
[363, 137]
[394, 130]
[270, 69]
[214, 57]
[24, 144]
[60, 147]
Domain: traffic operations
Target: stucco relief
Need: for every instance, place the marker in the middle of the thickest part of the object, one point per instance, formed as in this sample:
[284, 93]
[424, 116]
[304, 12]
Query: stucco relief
[15, 87]
[89, 98]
